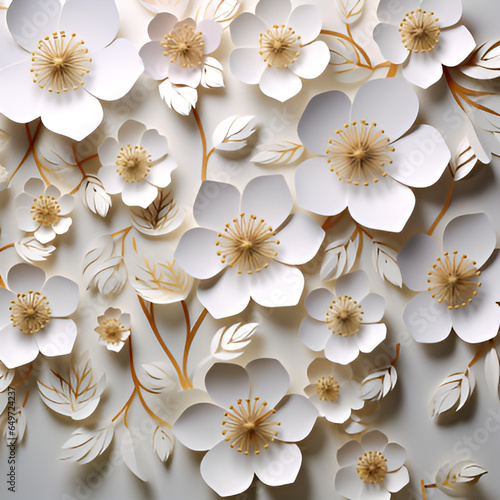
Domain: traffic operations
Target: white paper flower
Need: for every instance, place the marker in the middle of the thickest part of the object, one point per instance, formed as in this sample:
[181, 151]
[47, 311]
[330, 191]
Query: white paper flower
[276, 47]
[250, 430]
[332, 390]
[58, 67]
[113, 329]
[178, 49]
[371, 469]
[136, 165]
[33, 315]
[367, 159]
[456, 289]
[43, 211]
[422, 35]
[344, 323]
[244, 249]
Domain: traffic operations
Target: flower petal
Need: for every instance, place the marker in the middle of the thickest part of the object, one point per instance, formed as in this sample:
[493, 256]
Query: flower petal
[17, 348]
[394, 481]
[389, 42]
[279, 83]
[212, 32]
[108, 151]
[160, 175]
[355, 284]
[273, 11]
[305, 20]
[162, 24]
[314, 334]
[374, 440]
[6, 296]
[370, 336]
[139, 194]
[62, 225]
[184, 76]
[246, 29]
[66, 203]
[279, 464]
[395, 455]
[394, 12]
[349, 453]
[373, 306]
[44, 234]
[25, 221]
[261, 372]
[226, 383]
[62, 294]
[297, 416]
[247, 65]
[22, 278]
[348, 483]
[154, 143]
[317, 303]
[313, 59]
[422, 69]
[340, 349]
[455, 44]
[57, 338]
[156, 65]
[113, 182]
[448, 12]
[478, 321]
[130, 133]
[34, 187]
[375, 491]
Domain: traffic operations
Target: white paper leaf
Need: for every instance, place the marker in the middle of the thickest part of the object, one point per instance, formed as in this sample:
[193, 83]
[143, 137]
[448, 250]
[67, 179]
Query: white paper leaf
[128, 447]
[463, 161]
[348, 62]
[492, 371]
[6, 377]
[221, 11]
[385, 263]
[212, 74]
[74, 395]
[15, 427]
[4, 139]
[351, 10]
[378, 384]
[229, 342]
[161, 217]
[176, 7]
[163, 442]
[457, 478]
[159, 376]
[180, 98]
[233, 132]
[31, 250]
[453, 391]
[282, 153]
[484, 62]
[85, 445]
[354, 425]
[96, 199]
[339, 258]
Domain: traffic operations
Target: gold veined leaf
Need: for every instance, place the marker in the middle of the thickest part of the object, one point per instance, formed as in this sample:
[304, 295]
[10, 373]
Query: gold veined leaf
[180, 98]
[339, 258]
[386, 264]
[212, 74]
[163, 442]
[453, 391]
[282, 153]
[161, 281]
[351, 10]
[96, 199]
[76, 394]
[230, 341]
[31, 250]
[463, 161]
[85, 445]
[456, 478]
[233, 133]
[159, 376]
[378, 384]
[484, 62]
[6, 377]
[161, 217]
[221, 11]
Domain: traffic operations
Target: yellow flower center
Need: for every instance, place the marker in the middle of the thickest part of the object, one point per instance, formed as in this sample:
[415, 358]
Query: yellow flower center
[359, 152]
[133, 163]
[248, 426]
[327, 388]
[344, 316]
[419, 31]
[30, 312]
[111, 330]
[247, 243]
[45, 210]
[185, 46]
[60, 62]
[279, 46]
[372, 467]
[453, 280]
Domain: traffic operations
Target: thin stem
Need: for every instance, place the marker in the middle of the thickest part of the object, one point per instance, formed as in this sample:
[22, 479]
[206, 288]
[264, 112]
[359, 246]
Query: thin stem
[126, 405]
[10, 245]
[396, 356]
[422, 486]
[361, 229]
[124, 233]
[189, 340]
[31, 144]
[126, 230]
[393, 69]
[332, 221]
[2, 283]
[477, 357]
[385, 64]
[26, 399]
[206, 156]
[444, 209]
[79, 165]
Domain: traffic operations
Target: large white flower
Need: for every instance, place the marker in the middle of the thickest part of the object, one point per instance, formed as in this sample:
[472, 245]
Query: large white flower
[250, 430]
[33, 315]
[371, 469]
[178, 49]
[459, 285]
[43, 211]
[245, 249]
[344, 323]
[276, 47]
[136, 164]
[367, 160]
[60, 60]
[422, 36]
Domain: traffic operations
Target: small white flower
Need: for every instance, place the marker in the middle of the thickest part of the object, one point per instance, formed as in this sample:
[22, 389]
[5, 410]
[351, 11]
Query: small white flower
[43, 211]
[113, 329]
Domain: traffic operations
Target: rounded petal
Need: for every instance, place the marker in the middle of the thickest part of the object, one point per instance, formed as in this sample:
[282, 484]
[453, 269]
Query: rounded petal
[108, 151]
[154, 143]
[34, 187]
[374, 205]
[160, 174]
[394, 12]
[317, 303]
[6, 296]
[62, 294]
[349, 453]
[196, 253]
[395, 455]
[319, 190]
[478, 321]
[23, 278]
[306, 21]
[279, 464]
[130, 133]
[94, 21]
[314, 334]
[156, 65]
[374, 492]
[448, 12]
[374, 440]
[277, 286]
[472, 235]
[226, 471]
[226, 383]
[273, 11]
[225, 295]
[25, 221]
[313, 59]
[373, 306]
[490, 278]
[113, 182]
[389, 102]
[216, 204]
[62, 225]
[427, 320]
[348, 483]
[212, 32]
[17, 348]
[108, 79]
[184, 76]
[422, 69]
[57, 338]
[340, 349]
[279, 83]
[355, 284]
[200, 426]
[297, 416]
[389, 42]
[419, 158]
[162, 24]
[44, 234]
[246, 29]
[320, 367]
[455, 44]
[370, 336]
[269, 198]
[299, 240]
[394, 481]
[261, 372]
[139, 194]
[247, 65]
[67, 203]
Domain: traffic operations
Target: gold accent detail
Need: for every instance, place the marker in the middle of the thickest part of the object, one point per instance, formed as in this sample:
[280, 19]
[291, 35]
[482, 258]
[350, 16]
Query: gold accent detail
[420, 31]
[60, 63]
[344, 316]
[452, 280]
[247, 426]
[372, 467]
[30, 312]
[279, 46]
[45, 210]
[327, 388]
[133, 163]
[246, 242]
[111, 330]
[359, 152]
[185, 46]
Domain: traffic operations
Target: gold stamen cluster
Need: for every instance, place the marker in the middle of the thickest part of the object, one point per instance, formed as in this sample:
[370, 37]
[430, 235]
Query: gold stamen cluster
[279, 46]
[327, 388]
[45, 210]
[344, 316]
[133, 163]
[184, 45]
[30, 312]
[111, 330]
[372, 467]
[420, 31]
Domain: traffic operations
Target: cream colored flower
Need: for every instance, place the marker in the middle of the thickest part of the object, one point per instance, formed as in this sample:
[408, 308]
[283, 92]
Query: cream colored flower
[113, 329]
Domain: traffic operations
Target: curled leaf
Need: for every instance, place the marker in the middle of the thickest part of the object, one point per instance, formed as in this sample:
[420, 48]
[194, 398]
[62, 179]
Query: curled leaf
[163, 442]
[221, 11]
[378, 384]
[339, 258]
[453, 391]
[463, 161]
[281, 153]
[386, 264]
[349, 63]
[456, 478]
[484, 62]
[229, 342]
[96, 199]
[351, 10]
[233, 132]
[180, 98]
[31, 250]
[212, 75]
[492, 371]
[85, 445]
